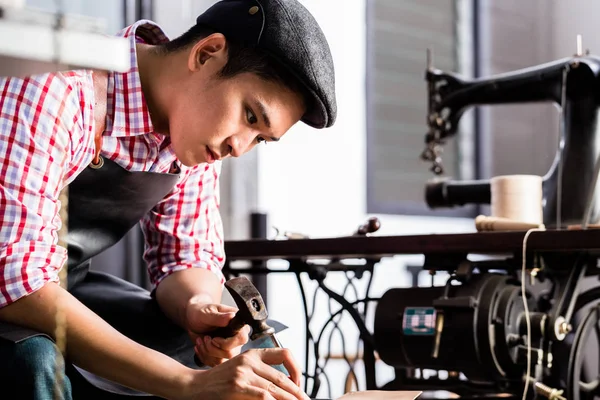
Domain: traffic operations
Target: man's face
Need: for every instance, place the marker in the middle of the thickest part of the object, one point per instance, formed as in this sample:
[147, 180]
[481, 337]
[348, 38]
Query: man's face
[214, 118]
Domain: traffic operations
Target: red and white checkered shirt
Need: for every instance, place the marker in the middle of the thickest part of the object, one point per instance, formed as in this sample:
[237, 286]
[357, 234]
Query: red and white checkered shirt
[47, 139]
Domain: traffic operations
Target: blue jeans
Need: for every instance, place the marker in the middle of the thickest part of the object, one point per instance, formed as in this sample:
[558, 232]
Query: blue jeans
[27, 368]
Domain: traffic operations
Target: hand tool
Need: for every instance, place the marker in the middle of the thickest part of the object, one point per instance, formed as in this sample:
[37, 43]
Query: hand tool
[251, 311]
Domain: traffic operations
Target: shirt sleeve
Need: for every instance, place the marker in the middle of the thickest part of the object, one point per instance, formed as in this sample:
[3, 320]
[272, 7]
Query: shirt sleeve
[38, 117]
[185, 229]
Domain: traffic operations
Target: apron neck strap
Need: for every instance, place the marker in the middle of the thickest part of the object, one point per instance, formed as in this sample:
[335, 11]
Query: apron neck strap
[100, 79]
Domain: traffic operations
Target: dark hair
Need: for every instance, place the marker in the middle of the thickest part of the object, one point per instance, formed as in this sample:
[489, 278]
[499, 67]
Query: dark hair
[242, 59]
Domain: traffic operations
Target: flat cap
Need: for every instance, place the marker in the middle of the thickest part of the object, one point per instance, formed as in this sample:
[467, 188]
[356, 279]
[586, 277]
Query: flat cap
[289, 32]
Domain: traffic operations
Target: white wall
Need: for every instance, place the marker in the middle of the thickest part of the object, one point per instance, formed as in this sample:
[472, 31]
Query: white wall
[575, 17]
[177, 16]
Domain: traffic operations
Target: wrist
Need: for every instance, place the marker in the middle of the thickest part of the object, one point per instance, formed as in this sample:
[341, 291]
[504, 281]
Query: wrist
[187, 384]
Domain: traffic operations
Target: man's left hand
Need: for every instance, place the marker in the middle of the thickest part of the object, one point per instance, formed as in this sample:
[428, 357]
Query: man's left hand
[203, 318]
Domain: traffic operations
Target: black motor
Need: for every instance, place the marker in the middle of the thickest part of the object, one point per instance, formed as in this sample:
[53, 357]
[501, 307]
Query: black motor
[477, 328]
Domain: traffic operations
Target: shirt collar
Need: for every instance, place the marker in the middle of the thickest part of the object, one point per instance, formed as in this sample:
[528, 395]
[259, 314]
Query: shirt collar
[127, 112]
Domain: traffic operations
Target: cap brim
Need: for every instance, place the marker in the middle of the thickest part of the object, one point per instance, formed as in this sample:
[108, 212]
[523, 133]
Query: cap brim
[316, 116]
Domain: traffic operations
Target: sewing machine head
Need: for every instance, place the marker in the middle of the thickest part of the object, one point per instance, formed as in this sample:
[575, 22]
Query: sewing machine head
[449, 95]
[573, 84]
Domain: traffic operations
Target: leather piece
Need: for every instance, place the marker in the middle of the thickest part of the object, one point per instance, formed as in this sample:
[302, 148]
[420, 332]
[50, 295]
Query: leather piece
[378, 395]
[381, 395]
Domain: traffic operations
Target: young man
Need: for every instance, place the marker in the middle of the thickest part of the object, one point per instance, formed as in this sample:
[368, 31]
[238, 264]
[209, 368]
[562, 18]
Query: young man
[144, 146]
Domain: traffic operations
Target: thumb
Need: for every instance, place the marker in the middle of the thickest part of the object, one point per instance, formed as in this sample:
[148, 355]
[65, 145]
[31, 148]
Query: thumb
[217, 316]
[222, 308]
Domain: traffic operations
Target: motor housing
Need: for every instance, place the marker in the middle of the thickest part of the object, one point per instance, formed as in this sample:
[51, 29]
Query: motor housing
[476, 328]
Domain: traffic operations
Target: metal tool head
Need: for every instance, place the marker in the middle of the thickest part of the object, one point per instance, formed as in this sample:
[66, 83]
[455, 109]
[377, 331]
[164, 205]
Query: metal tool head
[252, 309]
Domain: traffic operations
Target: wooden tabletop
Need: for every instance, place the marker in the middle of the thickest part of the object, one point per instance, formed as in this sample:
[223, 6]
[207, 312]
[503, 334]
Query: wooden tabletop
[382, 246]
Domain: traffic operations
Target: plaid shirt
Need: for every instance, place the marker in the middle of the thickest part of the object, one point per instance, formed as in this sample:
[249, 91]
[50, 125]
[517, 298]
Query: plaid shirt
[47, 139]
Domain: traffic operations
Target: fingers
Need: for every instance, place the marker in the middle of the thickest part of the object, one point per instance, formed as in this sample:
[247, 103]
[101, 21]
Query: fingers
[222, 308]
[240, 339]
[208, 345]
[265, 370]
[253, 392]
[210, 316]
[273, 390]
[205, 317]
[215, 351]
[204, 356]
[285, 357]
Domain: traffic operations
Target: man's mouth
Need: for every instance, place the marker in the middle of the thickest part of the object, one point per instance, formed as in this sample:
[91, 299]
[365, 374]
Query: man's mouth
[211, 157]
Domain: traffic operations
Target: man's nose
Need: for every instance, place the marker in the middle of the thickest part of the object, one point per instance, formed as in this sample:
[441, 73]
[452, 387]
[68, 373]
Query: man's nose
[240, 144]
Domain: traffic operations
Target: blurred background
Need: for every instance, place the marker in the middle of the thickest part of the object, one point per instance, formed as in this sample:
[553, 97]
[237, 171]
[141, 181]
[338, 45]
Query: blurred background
[325, 183]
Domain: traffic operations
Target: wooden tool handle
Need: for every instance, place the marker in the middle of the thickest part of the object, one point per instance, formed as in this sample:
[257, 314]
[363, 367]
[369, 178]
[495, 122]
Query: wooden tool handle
[371, 225]
[485, 223]
[232, 329]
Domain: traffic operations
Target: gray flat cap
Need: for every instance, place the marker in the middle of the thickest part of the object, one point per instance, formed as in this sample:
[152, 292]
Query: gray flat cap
[289, 32]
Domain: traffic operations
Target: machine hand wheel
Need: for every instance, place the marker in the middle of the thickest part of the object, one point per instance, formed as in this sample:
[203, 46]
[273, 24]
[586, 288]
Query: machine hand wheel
[583, 375]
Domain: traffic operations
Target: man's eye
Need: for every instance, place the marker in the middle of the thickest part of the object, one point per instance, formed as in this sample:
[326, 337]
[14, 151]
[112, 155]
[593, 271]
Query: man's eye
[250, 116]
[261, 139]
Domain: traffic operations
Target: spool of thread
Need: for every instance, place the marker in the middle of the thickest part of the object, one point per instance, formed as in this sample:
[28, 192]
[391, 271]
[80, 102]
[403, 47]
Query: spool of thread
[517, 198]
[484, 223]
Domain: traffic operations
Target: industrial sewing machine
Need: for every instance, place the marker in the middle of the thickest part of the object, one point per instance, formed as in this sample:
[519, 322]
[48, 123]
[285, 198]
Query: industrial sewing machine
[495, 328]
[522, 323]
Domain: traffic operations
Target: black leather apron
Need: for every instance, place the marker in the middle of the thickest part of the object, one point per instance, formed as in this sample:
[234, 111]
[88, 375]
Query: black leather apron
[104, 204]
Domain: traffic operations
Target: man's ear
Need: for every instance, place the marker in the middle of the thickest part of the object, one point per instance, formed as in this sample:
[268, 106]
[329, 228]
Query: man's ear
[211, 47]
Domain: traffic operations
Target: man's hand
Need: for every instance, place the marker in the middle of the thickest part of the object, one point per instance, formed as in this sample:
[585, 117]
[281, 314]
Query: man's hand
[203, 318]
[249, 376]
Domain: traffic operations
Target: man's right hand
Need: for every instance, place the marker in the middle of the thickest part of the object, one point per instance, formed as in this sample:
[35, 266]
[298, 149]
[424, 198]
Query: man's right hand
[249, 376]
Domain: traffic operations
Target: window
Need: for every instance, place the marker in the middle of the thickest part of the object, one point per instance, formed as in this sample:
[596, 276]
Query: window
[519, 138]
[110, 11]
[398, 34]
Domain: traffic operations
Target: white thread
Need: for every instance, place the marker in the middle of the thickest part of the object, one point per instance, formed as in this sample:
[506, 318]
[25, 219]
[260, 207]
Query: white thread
[526, 309]
[517, 198]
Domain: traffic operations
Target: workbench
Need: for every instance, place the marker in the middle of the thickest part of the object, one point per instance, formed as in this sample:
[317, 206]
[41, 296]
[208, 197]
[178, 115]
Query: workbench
[384, 246]
[317, 258]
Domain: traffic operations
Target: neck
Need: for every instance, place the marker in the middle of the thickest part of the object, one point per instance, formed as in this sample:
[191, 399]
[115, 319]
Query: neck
[152, 72]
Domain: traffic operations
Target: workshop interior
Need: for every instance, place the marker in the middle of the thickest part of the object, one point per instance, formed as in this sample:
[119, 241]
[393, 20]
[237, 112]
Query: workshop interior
[443, 236]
